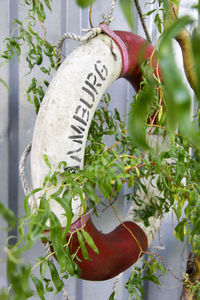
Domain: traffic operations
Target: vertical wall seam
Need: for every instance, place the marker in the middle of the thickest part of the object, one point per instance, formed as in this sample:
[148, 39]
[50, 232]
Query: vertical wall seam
[13, 129]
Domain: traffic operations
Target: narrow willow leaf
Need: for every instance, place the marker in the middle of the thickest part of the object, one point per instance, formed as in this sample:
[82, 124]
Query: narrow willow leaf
[4, 83]
[161, 268]
[57, 193]
[82, 245]
[84, 3]
[112, 296]
[55, 277]
[48, 5]
[47, 283]
[46, 161]
[107, 184]
[39, 286]
[127, 8]
[43, 269]
[140, 109]
[68, 213]
[152, 278]
[80, 193]
[90, 192]
[90, 241]
[8, 215]
[67, 196]
[26, 204]
[56, 236]
[38, 221]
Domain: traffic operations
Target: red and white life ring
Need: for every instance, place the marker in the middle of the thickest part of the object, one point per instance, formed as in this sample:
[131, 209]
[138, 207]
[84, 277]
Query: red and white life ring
[61, 132]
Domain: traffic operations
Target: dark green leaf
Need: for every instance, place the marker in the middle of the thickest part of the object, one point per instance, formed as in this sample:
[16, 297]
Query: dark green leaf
[152, 278]
[90, 192]
[26, 204]
[56, 236]
[112, 296]
[82, 245]
[90, 241]
[48, 4]
[43, 269]
[39, 286]
[55, 277]
[80, 193]
[38, 221]
[84, 3]
[8, 215]
[138, 116]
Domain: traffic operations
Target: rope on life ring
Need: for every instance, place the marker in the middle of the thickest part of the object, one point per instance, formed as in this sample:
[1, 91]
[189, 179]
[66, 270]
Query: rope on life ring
[61, 132]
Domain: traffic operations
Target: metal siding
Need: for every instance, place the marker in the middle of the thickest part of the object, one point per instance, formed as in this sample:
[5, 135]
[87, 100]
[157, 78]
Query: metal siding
[16, 127]
[4, 143]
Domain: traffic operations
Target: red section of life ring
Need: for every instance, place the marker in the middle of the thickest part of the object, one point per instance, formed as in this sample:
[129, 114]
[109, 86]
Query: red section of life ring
[118, 249]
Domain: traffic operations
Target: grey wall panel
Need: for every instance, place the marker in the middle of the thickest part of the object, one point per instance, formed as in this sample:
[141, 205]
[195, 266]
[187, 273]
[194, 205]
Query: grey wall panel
[4, 142]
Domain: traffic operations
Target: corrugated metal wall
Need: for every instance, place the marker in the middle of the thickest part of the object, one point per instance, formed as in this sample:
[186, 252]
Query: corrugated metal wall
[17, 119]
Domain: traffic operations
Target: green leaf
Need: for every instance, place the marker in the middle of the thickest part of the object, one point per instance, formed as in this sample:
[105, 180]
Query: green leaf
[152, 278]
[90, 241]
[127, 8]
[56, 237]
[82, 245]
[161, 268]
[112, 296]
[38, 221]
[68, 213]
[39, 286]
[43, 269]
[80, 193]
[46, 161]
[55, 277]
[48, 4]
[107, 184]
[26, 204]
[8, 215]
[84, 3]
[90, 192]
[140, 109]
[4, 83]
[177, 96]
[180, 230]
[40, 12]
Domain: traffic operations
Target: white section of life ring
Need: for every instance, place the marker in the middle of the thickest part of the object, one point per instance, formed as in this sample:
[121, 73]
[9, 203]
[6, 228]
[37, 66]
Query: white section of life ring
[67, 110]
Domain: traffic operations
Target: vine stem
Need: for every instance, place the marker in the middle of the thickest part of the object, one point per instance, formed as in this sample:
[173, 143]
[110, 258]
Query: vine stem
[137, 5]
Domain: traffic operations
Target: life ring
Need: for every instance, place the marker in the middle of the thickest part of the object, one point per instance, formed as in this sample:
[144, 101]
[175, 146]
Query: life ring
[61, 131]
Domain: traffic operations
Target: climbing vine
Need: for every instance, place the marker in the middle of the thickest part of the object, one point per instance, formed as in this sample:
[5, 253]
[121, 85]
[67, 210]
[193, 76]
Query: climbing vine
[161, 107]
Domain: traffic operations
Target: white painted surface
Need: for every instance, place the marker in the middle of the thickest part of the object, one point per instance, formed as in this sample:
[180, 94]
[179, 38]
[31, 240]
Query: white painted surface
[67, 110]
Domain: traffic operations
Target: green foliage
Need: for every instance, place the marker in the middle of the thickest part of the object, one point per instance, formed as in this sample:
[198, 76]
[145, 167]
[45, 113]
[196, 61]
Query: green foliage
[84, 3]
[127, 8]
[159, 108]
[25, 34]
[147, 272]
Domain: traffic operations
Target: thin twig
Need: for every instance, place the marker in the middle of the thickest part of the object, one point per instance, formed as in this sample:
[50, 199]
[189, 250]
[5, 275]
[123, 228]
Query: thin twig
[90, 16]
[137, 5]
